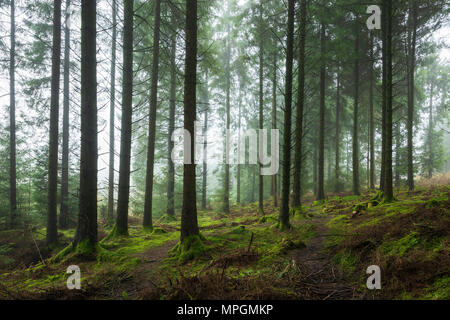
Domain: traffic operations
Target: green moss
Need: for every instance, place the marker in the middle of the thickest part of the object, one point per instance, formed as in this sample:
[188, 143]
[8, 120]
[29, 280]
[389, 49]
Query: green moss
[191, 247]
[318, 202]
[350, 198]
[6, 248]
[377, 197]
[399, 209]
[86, 247]
[266, 219]
[440, 290]
[122, 262]
[117, 232]
[401, 246]
[159, 231]
[299, 210]
[239, 230]
[139, 241]
[147, 229]
[388, 200]
[436, 202]
[283, 226]
[68, 233]
[371, 222]
[62, 254]
[53, 246]
[5, 260]
[167, 218]
[287, 244]
[345, 260]
[359, 207]
[339, 220]
[306, 231]
[337, 226]
[48, 280]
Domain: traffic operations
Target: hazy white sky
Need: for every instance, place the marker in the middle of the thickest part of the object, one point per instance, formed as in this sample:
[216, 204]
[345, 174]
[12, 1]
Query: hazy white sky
[442, 35]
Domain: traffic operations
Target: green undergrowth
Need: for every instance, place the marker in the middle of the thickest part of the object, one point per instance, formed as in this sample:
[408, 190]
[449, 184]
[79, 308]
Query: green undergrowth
[407, 238]
[191, 247]
[253, 249]
[408, 234]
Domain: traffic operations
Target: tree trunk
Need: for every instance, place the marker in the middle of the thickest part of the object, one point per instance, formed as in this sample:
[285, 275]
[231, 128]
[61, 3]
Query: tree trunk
[12, 120]
[329, 163]
[226, 196]
[388, 187]
[296, 192]
[261, 109]
[430, 132]
[252, 196]
[189, 223]
[347, 155]
[110, 215]
[238, 174]
[52, 228]
[64, 208]
[170, 143]
[337, 185]
[371, 120]
[355, 153]
[397, 155]
[274, 125]
[315, 169]
[126, 123]
[284, 210]
[86, 233]
[411, 71]
[320, 186]
[384, 101]
[205, 144]
[148, 223]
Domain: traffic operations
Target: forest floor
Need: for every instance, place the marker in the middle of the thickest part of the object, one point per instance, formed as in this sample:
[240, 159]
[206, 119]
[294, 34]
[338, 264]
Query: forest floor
[245, 256]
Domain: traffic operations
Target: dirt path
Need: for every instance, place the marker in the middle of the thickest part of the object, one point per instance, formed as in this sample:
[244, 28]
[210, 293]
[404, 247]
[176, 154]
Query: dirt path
[319, 278]
[144, 278]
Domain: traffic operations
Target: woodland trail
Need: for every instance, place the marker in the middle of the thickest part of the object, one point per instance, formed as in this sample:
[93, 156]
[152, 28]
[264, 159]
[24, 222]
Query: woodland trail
[319, 278]
[312, 273]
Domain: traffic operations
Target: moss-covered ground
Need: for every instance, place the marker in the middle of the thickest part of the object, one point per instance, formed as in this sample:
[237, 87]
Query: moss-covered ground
[244, 255]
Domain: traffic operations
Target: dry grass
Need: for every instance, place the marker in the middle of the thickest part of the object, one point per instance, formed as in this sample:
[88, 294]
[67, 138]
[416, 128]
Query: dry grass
[416, 269]
[442, 179]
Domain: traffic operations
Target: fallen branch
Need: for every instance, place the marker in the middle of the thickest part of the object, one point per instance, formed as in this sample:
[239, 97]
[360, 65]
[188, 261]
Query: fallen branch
[37, 247]
[250, 243]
